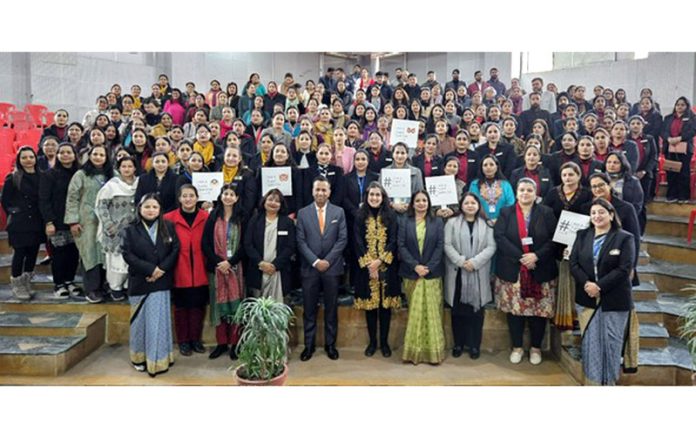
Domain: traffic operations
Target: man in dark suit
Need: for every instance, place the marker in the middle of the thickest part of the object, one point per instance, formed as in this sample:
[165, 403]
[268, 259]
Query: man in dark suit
[321, 238]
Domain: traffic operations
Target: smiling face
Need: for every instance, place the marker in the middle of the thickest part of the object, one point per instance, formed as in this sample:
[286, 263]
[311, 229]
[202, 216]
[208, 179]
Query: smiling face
[150, 209]
[568, 143]
[601, 218]
[324, 155]
[195, 163]
[613, 164]
[126, 169]
[321, 190]
[532, 158]
[280, 154]
[470, 205]
[420, 203]
[66, 155]
[98, 156]
[452, 167]
[374, 197]
[399, 155]
[49, 147]
[360, 162]
[27, 159]
[600, 189]
[188, 199]
[526, 193]
[430, 146]
[489, 167]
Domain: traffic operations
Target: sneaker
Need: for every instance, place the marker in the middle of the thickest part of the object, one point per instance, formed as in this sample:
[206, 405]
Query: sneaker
[516, 355]
[117, 295]
[139, 367]
[671, 200]
[535, 357]
[61, 292]
[95, 297]
[75, 290]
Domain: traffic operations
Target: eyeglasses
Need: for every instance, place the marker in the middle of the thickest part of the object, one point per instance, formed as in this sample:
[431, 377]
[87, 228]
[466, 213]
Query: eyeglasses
[598, 186]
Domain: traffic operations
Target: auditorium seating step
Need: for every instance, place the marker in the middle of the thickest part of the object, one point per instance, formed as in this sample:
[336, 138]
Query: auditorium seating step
[669, 248]
[6, 266]
[646, 291]
[675, 226]
[666, 366]
[659, 206]
[651, 336]
[47, 343]
[669, 276]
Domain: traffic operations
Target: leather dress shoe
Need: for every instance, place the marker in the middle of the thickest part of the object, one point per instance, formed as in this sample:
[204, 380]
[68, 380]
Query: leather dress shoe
[198, 347]
[185, 349]
[457, 351]
[331, 352]
[474, 353]
[370, 350]
[233, 352]
[386, 351]
[218, 351]
[307, 354]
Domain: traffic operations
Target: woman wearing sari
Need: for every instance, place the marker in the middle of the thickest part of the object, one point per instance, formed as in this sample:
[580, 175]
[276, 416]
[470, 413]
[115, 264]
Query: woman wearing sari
[150, 247]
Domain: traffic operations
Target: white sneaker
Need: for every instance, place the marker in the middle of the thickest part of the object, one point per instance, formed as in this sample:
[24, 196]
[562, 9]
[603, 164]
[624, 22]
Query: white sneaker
[61, 292]
[516, 356]
[534, 357]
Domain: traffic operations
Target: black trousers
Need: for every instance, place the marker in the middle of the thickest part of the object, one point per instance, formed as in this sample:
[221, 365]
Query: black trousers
[24, 259]
[93, 279]
[467, 326]
[647, 184]
[312, 287]
[384, 317]
[537, 326]
[64, 262]
[679, 184]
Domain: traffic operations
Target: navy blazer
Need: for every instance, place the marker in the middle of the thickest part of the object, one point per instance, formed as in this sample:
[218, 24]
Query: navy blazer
[254, 241]
[147, 183]
[614, 266]
[143, 257]
[437, 169]
[542, 225]
[409, 254]
[383, 160]
[472, 165]
[504, 153]
[312, 245]
[544, 179]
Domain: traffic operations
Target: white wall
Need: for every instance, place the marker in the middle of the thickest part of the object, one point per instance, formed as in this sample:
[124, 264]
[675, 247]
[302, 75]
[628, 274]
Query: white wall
[669, 75]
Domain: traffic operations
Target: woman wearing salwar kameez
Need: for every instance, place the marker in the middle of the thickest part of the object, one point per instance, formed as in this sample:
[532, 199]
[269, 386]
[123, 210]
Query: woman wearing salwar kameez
[150, 247]
[377, 289]
[223, 250]
[421, 243]
[601, 262]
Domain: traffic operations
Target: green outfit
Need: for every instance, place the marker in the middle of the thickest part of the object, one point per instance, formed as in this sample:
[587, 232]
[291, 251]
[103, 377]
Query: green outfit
[425, 337]
[80, 209]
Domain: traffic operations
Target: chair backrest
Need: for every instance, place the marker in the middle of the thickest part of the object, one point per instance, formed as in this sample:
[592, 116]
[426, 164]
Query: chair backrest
[7, 134]
[6, 107]
[49, 118]
[22, 125]
[36, 113]
[30, 137]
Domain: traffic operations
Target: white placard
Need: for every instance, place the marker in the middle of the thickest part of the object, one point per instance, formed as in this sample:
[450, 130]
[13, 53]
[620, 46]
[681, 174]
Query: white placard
[405, 131]
[208, 185]
[568, 226]
[397, 182]
[276, 178]
[442, 190]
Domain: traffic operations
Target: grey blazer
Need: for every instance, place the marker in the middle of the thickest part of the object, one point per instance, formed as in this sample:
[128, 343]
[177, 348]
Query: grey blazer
[312, 245]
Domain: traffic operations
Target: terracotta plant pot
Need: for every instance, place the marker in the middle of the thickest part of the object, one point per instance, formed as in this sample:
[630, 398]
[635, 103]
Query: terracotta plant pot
[276, 381]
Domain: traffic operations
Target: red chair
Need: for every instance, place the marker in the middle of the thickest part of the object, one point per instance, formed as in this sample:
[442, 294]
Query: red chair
[3, 120]
[22, 125]
[692, 218]
[30, 137]
[7, 138]
[36, 113]
[49, 118]
[5, 108]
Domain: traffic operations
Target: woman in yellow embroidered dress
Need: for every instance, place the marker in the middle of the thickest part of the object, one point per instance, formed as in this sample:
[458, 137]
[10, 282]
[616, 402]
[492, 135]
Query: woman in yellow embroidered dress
[377, 288]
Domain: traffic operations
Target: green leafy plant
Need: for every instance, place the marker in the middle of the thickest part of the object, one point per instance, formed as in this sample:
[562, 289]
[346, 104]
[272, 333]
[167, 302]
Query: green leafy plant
[263, 347]
[687, 329]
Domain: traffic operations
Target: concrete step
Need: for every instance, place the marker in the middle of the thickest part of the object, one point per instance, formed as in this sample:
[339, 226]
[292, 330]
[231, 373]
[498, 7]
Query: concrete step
[652, 335]
[643, 258]
[649, 312]
[6, 266]
[646, 291]
[674, 226]
[671, 249]
[667, 366]
[4, 243]
[670, 277]
[660, 207]
[47, 344]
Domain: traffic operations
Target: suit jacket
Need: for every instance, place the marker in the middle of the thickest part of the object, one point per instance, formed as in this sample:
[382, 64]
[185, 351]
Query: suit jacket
[437, 169]
[542, 225]
[335, 177]
[313, 245]
[254, 236]
[147, 183]
[504, 153]
[472, 165]
[384, 159]
[143, 257]
[616, 260]
[433, 249]
[544, 179]
[649, 163]
[554, 161]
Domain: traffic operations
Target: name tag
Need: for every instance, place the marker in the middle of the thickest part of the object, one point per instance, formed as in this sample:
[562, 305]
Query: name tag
[434, 168]
[498, 154]
[545, 179]
[527, 241]
[282, 233]
[615, 252]
[335, 221]
[387, 159]
[644, 141]
[685, 119]
[237, 178]
[471, 161]
[229, 253]
[491, 208]
[331, 173]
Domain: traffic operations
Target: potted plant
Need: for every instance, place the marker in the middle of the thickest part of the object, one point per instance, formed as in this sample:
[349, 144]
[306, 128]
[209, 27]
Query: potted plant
[263, 346]
[688, 331]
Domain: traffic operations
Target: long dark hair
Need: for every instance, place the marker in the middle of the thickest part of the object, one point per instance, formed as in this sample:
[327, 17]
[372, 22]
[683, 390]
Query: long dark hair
[480, 213]
[498, 175]
[19, 171]
[107, 169]
[162, 231]
[76, 163]
[237, 209]
[412, 211]
[626, 171]
[384, 212]
[616, 223]
[271, 162]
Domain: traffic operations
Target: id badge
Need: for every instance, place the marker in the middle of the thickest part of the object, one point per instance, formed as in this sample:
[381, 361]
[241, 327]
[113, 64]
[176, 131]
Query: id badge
[229, 253]
[527, 241]
[491, 208]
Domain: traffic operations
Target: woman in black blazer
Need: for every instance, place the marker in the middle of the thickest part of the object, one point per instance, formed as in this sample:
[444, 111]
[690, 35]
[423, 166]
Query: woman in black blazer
[377, 286]
[161, 180]
[625, 185]
[679, 127]
[421, 246]
[323, 167]
[601, 262]
[379, 156]
[269, 244]
[241, 178]
[151, 249]
[533, 169]
[429, 163]
[526, 268]
[280, 157]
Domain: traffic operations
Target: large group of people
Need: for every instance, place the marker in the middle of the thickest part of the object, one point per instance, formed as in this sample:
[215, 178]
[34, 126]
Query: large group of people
[115, 194]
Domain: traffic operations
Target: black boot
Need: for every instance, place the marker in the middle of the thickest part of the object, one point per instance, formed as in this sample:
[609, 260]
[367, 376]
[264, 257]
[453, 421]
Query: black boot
[233, 352]
[218, 351]
[384, 323]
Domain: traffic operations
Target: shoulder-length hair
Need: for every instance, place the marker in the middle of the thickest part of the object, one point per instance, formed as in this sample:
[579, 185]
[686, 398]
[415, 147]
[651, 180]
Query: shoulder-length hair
[271, 162]
[411, 209]
[498, 174]
[162, 231]
[283, 203]
[616, 223]
[384, 212]
[19, 171]
[480, 212]
[107, 169]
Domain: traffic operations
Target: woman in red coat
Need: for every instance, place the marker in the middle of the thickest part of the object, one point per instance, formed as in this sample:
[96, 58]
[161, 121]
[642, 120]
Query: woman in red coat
[190, 292]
